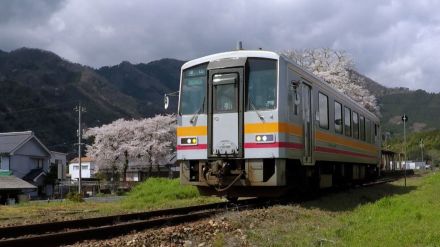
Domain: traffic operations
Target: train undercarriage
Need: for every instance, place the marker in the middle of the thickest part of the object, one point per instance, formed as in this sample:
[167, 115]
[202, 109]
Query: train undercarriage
[235, 178]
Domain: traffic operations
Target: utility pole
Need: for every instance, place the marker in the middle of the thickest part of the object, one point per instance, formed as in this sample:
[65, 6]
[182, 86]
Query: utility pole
[404, 119]
[80, 110]
[422, 145]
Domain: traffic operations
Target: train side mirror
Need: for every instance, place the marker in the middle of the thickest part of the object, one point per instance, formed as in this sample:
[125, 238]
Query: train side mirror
[166, 99]
[294, 85]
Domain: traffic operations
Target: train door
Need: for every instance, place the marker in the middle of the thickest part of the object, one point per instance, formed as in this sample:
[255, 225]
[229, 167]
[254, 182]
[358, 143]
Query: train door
[225, 113]
[307, 118]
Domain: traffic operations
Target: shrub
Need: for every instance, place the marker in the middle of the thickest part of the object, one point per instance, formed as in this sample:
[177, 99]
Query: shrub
[159, 190]
[74, 197]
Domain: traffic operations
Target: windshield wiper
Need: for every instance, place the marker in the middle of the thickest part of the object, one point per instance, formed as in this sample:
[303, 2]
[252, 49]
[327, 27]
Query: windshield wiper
[196, 114]
[255, 109]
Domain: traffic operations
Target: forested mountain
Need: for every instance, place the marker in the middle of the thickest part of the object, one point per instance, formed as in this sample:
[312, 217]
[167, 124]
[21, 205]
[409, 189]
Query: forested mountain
[146, 83]
[39, 91]
[421, 107]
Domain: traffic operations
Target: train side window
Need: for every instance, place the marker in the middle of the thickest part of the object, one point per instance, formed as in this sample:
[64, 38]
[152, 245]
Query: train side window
[338, 117]
[362, 125]
[347, 121]
[368, 130]
[323, 110]
[376, 132]
[296, 98]
[355, 125]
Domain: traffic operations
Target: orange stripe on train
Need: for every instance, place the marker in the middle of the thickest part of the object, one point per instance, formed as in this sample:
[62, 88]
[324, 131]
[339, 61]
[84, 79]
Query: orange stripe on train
[192, 131]
[254, 128]
[273, 127]
[327, 137]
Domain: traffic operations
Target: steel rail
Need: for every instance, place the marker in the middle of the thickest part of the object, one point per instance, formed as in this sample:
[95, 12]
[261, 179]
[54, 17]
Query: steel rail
[57, 233]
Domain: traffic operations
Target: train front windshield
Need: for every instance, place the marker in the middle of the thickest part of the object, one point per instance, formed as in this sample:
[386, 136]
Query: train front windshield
[260, 85]
[193, 91]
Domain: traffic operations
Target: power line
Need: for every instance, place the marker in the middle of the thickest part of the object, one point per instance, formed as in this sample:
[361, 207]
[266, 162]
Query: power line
[80, 109]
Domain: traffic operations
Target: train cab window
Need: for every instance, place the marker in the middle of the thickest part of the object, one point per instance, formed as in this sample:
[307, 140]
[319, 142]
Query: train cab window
[193, 91]
[338, 118]
[362, 127]
[355, 125]
[347, 121]
[323, 110]
[261, 84]
[225, 92]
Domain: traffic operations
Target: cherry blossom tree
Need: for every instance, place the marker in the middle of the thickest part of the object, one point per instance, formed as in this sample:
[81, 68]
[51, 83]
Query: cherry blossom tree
[335, 67]
[151, 141]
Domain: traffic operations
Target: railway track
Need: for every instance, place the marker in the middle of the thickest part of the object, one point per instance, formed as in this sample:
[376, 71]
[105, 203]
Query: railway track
[69, 232]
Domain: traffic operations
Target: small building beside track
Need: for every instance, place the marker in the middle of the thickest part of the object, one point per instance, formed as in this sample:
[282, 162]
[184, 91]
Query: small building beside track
[13, 189]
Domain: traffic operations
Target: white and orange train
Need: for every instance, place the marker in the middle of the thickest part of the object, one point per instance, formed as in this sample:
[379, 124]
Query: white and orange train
[254, 123]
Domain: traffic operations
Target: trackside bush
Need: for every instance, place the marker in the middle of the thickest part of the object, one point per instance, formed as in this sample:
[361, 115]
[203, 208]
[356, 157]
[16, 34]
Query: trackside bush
[158, 191]
[74, 197]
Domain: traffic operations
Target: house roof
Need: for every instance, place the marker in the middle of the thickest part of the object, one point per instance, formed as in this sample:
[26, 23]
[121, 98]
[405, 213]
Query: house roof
[83, 159]
[12, 141]
[12, 182]
[34, 174]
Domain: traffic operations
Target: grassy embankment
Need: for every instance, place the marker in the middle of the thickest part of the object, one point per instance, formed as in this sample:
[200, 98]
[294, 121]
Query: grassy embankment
[384, 215]
[155, 193]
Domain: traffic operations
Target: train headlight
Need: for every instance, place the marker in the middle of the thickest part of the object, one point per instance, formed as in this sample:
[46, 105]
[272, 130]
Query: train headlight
[188, 141]
[265, 138]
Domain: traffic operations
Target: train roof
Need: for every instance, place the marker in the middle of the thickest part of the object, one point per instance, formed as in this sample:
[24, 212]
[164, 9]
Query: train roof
[231, 54]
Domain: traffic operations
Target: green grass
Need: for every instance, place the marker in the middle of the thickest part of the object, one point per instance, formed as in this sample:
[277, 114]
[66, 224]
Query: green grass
[154, 193]
[165, 193]
[384, 215]
[411, 219]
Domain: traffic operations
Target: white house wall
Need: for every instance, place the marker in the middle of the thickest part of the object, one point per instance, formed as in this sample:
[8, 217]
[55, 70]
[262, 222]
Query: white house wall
[85, 173]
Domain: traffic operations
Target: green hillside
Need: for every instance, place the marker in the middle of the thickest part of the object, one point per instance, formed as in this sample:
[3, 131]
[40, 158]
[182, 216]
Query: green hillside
[422, 109]
[431, 146]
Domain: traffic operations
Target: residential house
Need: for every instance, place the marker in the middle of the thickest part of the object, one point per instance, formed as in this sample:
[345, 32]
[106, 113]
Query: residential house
[88, 168]
[27, 158]
[139, 170]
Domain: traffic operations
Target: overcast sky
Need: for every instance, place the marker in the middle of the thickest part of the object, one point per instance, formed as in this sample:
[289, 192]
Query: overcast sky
[394, 42]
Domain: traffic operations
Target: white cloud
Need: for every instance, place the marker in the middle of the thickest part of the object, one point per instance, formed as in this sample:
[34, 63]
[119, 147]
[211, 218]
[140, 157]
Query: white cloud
[393, 42]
